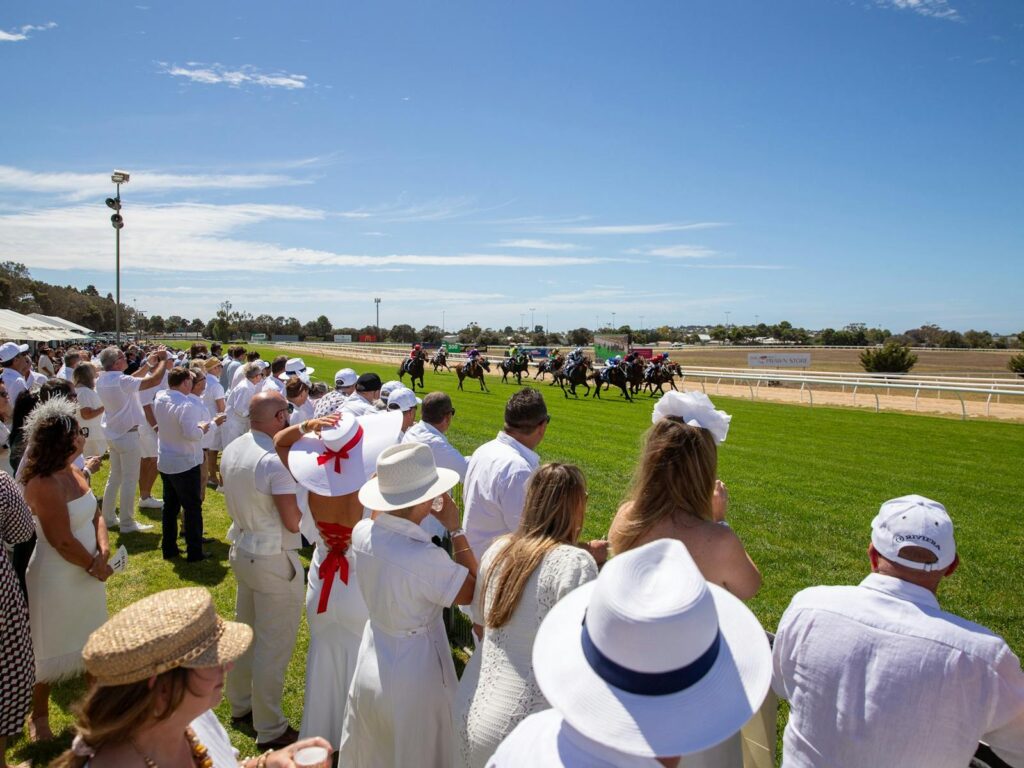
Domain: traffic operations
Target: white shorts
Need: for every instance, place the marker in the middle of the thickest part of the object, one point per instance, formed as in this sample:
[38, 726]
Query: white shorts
[147, 441]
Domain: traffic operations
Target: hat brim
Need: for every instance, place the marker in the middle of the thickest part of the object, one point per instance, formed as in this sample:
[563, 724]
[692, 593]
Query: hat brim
[234, 640]
[371, 496]
[379, 431]
[692, 720]
[301, 374]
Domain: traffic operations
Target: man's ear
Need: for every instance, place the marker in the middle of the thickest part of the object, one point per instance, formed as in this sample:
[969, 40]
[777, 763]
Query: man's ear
[953, 566]
[873, 557]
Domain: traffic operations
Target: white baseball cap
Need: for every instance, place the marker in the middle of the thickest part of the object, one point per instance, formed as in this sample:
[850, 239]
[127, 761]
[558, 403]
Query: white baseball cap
[10, 350]
[346, 377]
[403, 399]
[390, 386]
[914, 521]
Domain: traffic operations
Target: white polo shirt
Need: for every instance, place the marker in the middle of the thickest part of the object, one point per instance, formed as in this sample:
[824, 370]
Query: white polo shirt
[180, 447]
[445, 454]
[121, 407]
[357, 405]
[878, 674]
[495, 489]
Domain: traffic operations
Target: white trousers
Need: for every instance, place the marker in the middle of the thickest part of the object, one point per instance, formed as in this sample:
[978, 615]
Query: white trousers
[123, 478]
[271, 595]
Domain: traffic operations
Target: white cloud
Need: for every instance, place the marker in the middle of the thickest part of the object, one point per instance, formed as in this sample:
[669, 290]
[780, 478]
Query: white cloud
[683, 252]
[735, 266]
[936, 9]
[539, 245]
[632, 229]
[214, 74]
[24, 32]
[79, 186]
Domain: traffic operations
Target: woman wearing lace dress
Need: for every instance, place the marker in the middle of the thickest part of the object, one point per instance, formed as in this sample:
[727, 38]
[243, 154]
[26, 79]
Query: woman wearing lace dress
[521, 577]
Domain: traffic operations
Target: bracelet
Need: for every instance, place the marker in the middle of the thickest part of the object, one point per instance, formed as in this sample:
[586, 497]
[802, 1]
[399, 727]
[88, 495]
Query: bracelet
[722, 522]
[460, 551]
[304, 428]
[456, 532]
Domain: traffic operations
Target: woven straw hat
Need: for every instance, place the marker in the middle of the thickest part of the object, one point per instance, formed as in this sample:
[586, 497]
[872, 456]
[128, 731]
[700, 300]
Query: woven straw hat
[173, 628]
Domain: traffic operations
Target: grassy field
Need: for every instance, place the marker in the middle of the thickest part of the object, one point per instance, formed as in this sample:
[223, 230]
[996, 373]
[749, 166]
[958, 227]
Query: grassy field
[804, 486]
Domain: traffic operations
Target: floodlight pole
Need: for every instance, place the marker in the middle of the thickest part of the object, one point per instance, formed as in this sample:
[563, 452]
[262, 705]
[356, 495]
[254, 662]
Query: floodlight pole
[117, 271]
[377, 303]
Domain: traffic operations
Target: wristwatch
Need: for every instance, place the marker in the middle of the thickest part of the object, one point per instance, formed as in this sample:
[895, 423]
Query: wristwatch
[303, 429]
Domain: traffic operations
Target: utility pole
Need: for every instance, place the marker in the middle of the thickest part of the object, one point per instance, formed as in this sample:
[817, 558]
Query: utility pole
[377, 303]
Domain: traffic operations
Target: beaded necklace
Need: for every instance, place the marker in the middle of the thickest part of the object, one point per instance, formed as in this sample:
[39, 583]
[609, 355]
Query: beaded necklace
[200, 756]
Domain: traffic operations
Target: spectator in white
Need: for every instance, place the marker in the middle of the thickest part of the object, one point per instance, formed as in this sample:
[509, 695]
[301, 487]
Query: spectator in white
[118, 393]
[17, 368]
[253, 358]
[198, 369]
[90, 410]
[232, 363]
[45, 362]
[297, 392]
[879, 674]
[385, 392]
[695, 674]
[71, 360]
[274, 380]
[436, 419]
[344, 387]
[295, 366]
[405, 401]
[148, 445]
[360, 402]
[182, 426]
[499, 470]
[264, 535]
[6, 409]
[216, 404]
[238, 400]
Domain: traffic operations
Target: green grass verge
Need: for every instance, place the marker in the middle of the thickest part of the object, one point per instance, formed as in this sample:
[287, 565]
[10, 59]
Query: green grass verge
[804, 484]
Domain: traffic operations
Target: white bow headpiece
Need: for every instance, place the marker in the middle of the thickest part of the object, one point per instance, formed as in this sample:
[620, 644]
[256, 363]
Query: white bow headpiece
[697, 410]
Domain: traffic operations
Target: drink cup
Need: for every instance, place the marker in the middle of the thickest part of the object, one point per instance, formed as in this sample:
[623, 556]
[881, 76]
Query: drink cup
[312, 757]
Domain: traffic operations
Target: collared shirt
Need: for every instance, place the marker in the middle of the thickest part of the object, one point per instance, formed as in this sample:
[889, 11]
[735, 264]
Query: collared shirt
[16, 384]
[878, 674]
[228, 374]
[68, 374]
[358, 405]
[272, 382]
[121, 407]
[545, 738]
[180, 446]
[496, 489]
[239, 398]
[445, 454]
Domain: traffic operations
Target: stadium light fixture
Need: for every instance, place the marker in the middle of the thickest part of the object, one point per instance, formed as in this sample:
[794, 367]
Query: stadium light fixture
[117, 222]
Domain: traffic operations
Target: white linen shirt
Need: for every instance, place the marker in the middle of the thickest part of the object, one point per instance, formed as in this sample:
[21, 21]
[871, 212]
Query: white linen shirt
[445, 454]
[121, 407]
[239, 397]
[180, 446]
[301, 412]
[357, 405]
[496, 489]
[16, 384]
[878, 674]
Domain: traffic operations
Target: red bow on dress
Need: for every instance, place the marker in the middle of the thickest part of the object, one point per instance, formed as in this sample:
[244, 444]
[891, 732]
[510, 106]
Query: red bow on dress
[341, 453]
[336, 537]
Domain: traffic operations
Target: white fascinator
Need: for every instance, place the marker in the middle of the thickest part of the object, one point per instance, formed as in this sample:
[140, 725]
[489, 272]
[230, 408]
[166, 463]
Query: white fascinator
[696, 409]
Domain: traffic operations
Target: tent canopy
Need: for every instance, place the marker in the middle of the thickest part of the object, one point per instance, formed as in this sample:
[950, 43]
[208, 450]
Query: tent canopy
[18, 327]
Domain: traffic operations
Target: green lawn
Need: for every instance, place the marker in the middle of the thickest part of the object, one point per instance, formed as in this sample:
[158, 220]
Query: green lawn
[804, 485]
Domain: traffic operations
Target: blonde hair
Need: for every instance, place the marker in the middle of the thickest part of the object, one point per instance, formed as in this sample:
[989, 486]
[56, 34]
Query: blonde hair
[552, 514]
[675, 477]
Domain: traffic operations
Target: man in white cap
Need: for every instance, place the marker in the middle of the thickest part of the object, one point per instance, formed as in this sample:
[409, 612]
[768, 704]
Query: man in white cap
[645, 664]
[404, 401]
[345, 381]
[17, 367]
[344, 387]
[878, 674]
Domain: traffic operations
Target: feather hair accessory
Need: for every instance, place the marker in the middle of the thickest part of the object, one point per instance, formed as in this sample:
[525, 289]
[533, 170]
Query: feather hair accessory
[697, 410]
[55, 409]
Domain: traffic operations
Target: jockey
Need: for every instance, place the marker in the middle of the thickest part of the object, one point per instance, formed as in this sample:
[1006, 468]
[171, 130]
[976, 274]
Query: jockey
[513, 351]
[473, 353]
[415, 351]
[574, 359]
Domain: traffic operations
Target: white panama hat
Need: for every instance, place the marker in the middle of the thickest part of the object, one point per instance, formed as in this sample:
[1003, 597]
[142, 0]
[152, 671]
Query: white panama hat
[342, 457]
[652, 660]
[296, 367]
[406, 475]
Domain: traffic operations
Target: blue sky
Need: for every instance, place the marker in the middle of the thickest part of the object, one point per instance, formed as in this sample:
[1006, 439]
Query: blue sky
[821, 161]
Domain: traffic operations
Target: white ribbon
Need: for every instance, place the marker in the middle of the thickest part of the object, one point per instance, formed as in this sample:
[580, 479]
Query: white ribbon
[697, 410]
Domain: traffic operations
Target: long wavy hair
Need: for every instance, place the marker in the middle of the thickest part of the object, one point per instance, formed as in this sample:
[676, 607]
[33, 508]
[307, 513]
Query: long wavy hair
[675, 478]
[114, 713]
[50, 432]
[556, 499]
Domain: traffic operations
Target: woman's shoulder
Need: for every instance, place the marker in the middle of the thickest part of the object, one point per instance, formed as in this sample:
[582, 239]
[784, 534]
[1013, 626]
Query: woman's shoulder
[568, 560]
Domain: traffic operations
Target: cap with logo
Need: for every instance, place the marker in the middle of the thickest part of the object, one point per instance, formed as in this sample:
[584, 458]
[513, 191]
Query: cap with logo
[914, 521]
[346, 377]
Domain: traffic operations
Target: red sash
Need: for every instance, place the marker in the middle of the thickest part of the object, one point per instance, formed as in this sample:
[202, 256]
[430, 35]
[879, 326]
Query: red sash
[336, 537]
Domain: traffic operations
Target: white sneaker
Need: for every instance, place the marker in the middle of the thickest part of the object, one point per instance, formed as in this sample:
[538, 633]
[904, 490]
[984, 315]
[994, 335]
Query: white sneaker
[135, 527]
[151, 502]
[113, 524]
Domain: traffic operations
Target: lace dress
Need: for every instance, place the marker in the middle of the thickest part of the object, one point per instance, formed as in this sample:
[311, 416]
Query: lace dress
[17, 668]
[498, 688]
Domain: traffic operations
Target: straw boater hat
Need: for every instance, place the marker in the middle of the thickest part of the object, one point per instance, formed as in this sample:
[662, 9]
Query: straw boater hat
[650, 659]
[173, 628]
[342, 457]
[211, 362]
[406, 476]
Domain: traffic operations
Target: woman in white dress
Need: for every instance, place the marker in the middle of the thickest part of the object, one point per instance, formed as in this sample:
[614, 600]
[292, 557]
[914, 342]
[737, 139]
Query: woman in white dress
[216, 403]
[67, 596]
[238, 403]
[521, 577]
[158, 671]
[335, 609]
[90, 409]
[400, 703]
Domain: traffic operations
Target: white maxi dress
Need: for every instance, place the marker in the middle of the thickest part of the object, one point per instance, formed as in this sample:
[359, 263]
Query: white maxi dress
[400, 704]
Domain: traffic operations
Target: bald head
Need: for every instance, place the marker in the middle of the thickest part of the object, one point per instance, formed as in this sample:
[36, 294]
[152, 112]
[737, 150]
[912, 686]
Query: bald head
[265, 412]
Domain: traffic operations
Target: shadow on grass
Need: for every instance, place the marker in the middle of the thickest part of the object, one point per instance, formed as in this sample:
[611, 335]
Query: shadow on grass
[66, 696]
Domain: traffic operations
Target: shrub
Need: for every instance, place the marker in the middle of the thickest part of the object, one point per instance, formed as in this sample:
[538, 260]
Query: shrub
[1016, 364]
[892, 358]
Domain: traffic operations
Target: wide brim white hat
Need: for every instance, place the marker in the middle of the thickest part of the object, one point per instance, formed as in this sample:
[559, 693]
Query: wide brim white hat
[406, 476]
[376, 432]
[690, 720]
[303, 374]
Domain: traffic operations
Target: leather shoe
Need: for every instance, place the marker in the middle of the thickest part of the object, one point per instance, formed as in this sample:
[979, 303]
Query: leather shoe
[242, 720]
[172, 555]
[290, 736]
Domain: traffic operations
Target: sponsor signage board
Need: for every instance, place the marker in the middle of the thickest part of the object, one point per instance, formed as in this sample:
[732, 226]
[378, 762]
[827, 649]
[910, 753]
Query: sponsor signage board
[645, 352]
[343, 338]
[779, 360]
[257, 337]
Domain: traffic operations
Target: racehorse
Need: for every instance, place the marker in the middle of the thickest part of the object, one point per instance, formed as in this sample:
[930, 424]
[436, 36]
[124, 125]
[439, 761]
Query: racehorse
[551, 366]
[473, 371]
[414, 367]
[576, 377]
[516, 366]
[635, 375]
[661, 375]
[614, 376]
[440, 360]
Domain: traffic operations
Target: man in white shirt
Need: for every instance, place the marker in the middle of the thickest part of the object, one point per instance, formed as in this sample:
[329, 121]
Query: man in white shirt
[17, 367]
[260, 495]
[360, 402]
[878, 674]
[182, 424]
[71, 359]
[123, 413]
[499, 470]
[148, 446]
[437, 413]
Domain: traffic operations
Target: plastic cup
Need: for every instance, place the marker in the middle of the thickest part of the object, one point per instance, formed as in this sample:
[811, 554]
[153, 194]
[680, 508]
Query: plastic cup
[312, 757]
